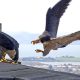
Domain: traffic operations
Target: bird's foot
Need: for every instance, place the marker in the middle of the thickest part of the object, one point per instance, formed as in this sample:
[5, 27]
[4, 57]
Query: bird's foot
[35, 41]
[3, 60]
[38, 50]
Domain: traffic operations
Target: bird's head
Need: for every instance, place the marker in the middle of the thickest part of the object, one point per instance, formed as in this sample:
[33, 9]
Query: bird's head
[44, 39]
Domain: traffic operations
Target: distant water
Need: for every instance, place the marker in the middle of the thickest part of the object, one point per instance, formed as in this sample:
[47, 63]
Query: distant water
[51, 63]
[61, 63]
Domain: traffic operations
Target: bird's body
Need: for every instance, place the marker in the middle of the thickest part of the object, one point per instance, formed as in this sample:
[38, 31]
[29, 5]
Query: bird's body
[59, 42]
[52, 22]
[9, 45]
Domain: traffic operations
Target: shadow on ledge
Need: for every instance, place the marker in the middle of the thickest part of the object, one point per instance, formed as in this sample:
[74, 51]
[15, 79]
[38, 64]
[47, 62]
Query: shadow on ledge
[21, 72]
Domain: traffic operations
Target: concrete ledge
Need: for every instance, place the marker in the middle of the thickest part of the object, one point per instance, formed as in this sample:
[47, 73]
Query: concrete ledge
[21, 72]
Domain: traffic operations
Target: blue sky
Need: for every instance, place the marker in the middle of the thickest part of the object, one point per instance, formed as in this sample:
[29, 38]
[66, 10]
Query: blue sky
[70, 50]
[26, 49]
[29, 16]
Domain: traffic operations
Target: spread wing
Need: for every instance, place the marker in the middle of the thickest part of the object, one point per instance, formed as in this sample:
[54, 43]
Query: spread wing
[53, 16]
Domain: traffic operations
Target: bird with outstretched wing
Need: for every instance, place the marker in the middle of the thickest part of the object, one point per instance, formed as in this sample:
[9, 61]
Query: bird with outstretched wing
[59, 42]
[52, 22]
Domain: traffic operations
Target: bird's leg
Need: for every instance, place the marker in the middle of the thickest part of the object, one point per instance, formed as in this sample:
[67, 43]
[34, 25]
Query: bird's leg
[3, 57]
[38, 50]
[3, 54]
[45, 52]
[35, 41]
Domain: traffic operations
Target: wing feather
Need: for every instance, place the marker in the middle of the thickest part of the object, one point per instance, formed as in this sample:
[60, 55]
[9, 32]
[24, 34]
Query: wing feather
[53, 16]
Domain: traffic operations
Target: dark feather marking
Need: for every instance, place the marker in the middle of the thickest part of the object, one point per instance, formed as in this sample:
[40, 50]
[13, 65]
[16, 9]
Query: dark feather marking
[53, 17]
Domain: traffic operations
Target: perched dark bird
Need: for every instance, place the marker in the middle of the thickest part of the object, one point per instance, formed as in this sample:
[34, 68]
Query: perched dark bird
[52, 21]
[9, 45]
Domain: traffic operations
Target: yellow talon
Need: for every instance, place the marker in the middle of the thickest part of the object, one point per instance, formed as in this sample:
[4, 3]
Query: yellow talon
[1, 60]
